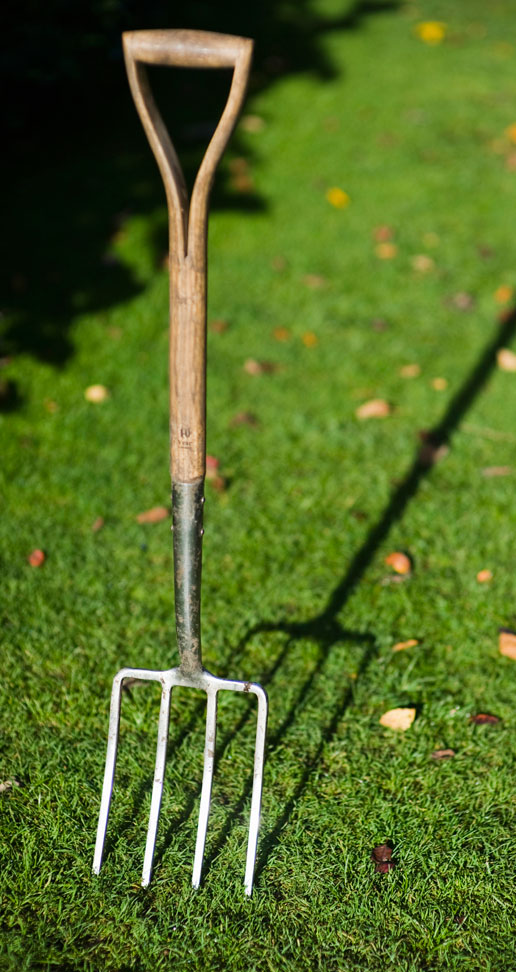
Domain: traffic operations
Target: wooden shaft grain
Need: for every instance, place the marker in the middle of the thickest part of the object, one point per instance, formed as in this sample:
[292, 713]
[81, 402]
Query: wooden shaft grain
[187, 222]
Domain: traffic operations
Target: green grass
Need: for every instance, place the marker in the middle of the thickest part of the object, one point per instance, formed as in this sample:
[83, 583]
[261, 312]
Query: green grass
[295, 590]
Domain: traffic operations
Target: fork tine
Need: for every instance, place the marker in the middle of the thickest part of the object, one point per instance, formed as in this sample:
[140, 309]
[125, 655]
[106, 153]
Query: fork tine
[157, 788]
[256, 800]
[109, 772]
[209, 762]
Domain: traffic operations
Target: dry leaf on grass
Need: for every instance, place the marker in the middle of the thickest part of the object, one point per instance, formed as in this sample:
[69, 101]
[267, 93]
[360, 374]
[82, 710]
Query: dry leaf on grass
[218, 326]
[154, 515]
[443, 754]
[507, 643]
[281, 333]
[503, 294]
[382, 857]
[386, 251]
[491, 471]
[439, 384]
[309, 339]
[96, 393]
[410, 371]
[403, 645]
[252, 124]
[36, 558]
[381, 234]
[398, 719]
[484, 576]
[422, 263]
[8, 785]
[484, 719]
[399, 562]
[506, 360]
[463, 301]
[245, 418]
[314, 280]
[253, 367]
[97, 524]
[375, 408]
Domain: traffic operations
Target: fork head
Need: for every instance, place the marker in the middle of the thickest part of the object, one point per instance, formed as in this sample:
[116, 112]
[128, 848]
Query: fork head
[212, 685]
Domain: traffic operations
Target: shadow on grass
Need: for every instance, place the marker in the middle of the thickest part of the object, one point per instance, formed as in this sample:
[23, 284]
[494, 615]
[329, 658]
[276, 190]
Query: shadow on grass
[80, 163]
[326, 631]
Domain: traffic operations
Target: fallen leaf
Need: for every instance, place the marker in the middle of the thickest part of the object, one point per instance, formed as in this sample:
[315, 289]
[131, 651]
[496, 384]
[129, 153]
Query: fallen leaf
[154, 515]
[507, 643]
[402, 645]
[382, 233]
[245, 418]
[97, 524]
[511, 132]
[398, 719]
[431, 31]
[338, 198]
[490, 471]
[375, 408]
[386, 251]
[484, 718]
[309, 339]
[36, 558]
[463, 301]
[443, 754]
[252, 124]
[281, 333]
[253, 367]
[51, 406]
[431, 449]
[382, 852]
[506, 359]
[383, 867]
[8, 785]
[503, 294]
[439, 384]
[399, 562]
[484, 576]
[410, 371]
[218, 326]
[315, 281]
[422, 263]
[212, 466]
[96, 393]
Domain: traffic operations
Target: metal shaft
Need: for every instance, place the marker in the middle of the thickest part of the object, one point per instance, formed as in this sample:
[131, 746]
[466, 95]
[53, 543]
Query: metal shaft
[187, 516]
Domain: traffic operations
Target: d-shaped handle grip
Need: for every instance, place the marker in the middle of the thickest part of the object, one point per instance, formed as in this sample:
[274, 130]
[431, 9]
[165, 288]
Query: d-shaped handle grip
[186, 48]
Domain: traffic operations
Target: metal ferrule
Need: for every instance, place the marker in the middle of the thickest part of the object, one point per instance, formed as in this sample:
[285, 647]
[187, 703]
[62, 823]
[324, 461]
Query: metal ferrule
[187, 517]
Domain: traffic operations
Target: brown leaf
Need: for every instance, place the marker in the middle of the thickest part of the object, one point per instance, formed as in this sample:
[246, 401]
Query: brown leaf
[281, 333]
[410, 371]
[443, 754]
[375, 408]
[97, 524]
[386, 251]
[399, 719]
[484, 576]
[36, 558]
[422, 263]
[402, 645]
[383, 867]
[310, 339]
[439, 384]
[252, 124]
[507, 643]
[154, 515]
[484, 718]
[490, 471]
[218, 326]
[431, 450]
[382, 852]
[253, 367]
[503, 294]
[506, 360]
[399, 562]
[381, 234]
[314, 281]
[463, 301]
[245, 418]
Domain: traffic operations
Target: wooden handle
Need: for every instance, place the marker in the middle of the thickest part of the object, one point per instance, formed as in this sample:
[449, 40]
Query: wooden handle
[186, 48]
[188, 221]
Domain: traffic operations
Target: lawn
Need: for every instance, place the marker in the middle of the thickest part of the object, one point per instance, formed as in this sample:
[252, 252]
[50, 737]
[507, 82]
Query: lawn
[397, 289]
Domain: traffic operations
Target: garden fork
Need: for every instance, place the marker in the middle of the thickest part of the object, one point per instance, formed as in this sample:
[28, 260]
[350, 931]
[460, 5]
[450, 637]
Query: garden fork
[188, 247]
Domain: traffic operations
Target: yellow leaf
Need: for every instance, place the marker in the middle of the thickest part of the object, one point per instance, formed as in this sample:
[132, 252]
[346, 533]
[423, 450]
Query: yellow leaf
[431, 31]
[96, 393]
[399, 562]
[338, 198]
[506, 360]
[511, 132]
[375, 408]
[386, 251]
[410, 371]
[503, 294]
[399, 719]
[507, 643]
[309, 339]
[402, 645]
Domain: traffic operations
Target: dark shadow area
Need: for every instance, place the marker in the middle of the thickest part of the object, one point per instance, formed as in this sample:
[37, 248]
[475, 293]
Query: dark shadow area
[326, 630]
[77, 162]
